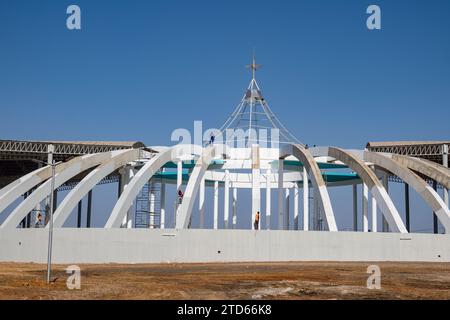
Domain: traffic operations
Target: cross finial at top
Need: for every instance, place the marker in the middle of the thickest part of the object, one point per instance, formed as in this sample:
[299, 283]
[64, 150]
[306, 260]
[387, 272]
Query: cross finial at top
[254, 67]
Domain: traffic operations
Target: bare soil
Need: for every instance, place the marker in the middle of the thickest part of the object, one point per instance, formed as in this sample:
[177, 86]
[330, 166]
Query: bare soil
[296, 280]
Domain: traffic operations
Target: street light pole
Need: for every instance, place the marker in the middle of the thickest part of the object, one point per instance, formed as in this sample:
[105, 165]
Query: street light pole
[50, 231]
[50, 220]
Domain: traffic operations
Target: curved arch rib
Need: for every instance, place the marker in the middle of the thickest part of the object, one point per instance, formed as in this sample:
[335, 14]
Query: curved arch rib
[433, 170]
[376, 188]
[185, 210]
[66, 172]
[142, 177]
[89, 182]
[417, 183]
[304, 156]
[18, 187]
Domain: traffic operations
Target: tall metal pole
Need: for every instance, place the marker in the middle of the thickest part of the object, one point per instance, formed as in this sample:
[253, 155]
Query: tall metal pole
[50, 229]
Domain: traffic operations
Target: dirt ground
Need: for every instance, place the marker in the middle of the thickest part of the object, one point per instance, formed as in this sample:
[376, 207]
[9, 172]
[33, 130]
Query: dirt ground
[312, 280]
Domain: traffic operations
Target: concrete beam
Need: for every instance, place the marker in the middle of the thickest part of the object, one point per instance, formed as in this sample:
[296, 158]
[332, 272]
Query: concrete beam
[435, 171]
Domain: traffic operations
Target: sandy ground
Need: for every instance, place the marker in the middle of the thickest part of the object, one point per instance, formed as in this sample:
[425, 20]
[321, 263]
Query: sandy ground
[312, 280]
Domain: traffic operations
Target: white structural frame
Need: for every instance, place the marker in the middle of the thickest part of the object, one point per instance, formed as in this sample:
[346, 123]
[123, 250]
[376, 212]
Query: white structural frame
[255, 159]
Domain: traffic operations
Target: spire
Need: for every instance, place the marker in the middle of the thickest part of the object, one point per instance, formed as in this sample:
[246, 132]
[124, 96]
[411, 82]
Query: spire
[254, 116]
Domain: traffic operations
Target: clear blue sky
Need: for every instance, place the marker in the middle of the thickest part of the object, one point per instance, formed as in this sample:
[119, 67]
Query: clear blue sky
[139, 69]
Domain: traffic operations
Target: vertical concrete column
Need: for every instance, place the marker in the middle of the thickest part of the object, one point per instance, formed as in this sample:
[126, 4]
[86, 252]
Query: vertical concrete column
[216, 204]
[226, 199]
[374, 209]
[179, 183]
[256, 186]
[305, 200]
[365, 207]
[123, 182]
[152, 207]
[445, 164]
[287, 197]
[355, 207]
[50, 151]
[374, 214]
[126, 174]
[179, 173]
[201, 204]
[384, 224]
[280, 194]
[268, 198]
[295, 205]
[234, 207]
[130, 213]
[163, 205]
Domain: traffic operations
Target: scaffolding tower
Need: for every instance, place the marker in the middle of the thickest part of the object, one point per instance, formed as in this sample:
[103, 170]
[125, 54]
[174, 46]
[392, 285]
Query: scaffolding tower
[148, 205]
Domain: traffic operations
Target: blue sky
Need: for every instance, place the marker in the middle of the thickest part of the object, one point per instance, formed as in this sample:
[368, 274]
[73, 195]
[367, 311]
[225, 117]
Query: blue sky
[139, 69]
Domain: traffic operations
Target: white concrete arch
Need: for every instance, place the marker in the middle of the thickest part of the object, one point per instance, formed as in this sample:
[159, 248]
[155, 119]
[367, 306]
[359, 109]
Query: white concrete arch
[190, 193]
[430, 196]
[18, 187]
[68, 171]
[304, 156]
[143, 176]
[89, 182]
[371, 180]
[433, 170]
